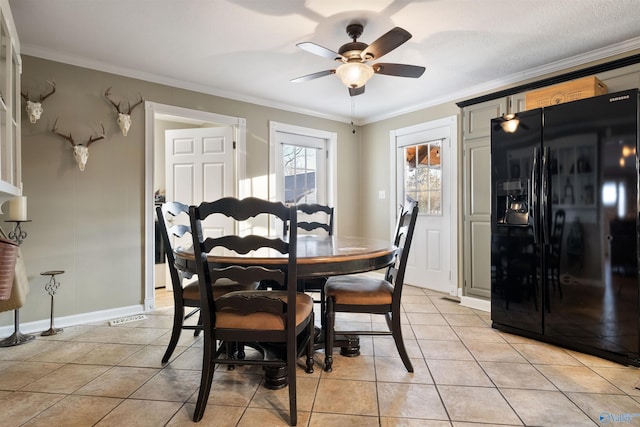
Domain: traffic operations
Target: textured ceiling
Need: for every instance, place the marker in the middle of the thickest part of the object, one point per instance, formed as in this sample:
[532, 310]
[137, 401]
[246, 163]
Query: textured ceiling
[245, 49]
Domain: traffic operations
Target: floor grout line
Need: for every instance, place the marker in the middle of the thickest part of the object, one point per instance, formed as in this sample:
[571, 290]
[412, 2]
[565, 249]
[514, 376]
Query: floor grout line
[454, 393]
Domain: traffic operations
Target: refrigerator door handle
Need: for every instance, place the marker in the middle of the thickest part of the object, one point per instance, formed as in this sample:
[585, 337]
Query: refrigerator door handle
[546, 238]
[533, 197]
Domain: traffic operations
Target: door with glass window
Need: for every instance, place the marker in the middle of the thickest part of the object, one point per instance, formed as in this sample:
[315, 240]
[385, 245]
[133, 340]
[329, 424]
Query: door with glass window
[422, 174]
[300, 169]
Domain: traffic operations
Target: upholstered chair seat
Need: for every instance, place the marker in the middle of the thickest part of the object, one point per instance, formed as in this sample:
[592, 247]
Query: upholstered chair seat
[235, 316]
[364, 291]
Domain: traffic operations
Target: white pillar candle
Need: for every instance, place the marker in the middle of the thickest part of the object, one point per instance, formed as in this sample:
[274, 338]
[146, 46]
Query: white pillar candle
[18, 208]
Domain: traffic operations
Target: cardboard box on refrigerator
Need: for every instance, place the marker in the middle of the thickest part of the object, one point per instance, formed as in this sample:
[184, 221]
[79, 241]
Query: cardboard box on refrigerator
[585, 87]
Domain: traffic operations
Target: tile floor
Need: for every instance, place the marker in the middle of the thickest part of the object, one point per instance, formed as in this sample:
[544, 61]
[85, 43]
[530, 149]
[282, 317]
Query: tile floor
[466, 374]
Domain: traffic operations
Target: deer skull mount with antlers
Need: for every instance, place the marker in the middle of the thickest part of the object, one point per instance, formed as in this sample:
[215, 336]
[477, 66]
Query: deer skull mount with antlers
[80, 150]
[34, 108]
[124, 118]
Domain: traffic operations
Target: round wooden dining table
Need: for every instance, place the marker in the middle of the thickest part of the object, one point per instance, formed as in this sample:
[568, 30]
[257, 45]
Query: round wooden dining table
[317, 256]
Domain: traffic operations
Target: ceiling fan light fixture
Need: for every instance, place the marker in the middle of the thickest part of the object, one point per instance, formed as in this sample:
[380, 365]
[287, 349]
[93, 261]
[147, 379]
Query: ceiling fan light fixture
[354, 74]
[353, 69]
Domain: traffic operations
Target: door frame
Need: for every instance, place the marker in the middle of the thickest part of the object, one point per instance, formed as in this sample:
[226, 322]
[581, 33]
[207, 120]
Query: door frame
[331, 161]
[451, 123]
[152, 110]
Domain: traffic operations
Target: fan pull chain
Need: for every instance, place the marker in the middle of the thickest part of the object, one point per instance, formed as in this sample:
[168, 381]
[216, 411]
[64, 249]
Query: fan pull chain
[353, 109]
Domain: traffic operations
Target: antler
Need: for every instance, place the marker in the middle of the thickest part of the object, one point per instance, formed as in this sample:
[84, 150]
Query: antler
[67, 137]
[25, 95]
[117, 106]
[97, 138]
[53, 89]
[135, 105]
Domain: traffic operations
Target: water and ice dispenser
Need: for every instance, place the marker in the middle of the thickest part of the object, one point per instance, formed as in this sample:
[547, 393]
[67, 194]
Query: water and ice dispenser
[513, 199]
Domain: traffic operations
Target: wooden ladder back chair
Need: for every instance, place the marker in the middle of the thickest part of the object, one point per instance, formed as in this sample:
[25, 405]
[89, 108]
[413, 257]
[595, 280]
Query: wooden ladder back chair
[313, 223]
[259, 316]
[367, 294]
[183, 295]
[309, 221]
[173, 220]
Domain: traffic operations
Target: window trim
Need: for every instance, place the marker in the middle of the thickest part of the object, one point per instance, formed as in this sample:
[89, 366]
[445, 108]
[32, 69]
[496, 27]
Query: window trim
[331, 160]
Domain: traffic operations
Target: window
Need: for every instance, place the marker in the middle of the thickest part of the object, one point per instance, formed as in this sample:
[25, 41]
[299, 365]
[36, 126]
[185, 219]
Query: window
[423, 176]
[302, 161]
[300, 173]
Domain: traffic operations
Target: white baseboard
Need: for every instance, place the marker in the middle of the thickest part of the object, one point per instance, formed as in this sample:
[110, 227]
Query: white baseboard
[476, 303]
[76, 319]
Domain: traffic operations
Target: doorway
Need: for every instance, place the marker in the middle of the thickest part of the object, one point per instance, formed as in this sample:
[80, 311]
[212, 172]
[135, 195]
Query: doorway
[154, 146]
[302, 163]
[424, 164]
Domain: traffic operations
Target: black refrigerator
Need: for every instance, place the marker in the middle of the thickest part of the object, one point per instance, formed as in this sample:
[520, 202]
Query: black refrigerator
[564, 226]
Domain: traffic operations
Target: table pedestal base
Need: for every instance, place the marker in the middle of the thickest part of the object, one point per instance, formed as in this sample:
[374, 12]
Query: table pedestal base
[349, 345]
[275, 378]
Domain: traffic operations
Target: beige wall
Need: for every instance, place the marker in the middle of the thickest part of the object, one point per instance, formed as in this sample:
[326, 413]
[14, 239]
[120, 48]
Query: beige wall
[91, 223]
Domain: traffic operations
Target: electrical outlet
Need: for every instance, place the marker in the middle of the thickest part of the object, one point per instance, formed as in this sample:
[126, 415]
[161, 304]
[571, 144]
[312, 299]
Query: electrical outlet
[381, 195]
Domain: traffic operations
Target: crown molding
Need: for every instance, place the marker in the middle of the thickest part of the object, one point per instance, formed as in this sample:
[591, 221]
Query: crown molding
[472, 92]
[77, 61]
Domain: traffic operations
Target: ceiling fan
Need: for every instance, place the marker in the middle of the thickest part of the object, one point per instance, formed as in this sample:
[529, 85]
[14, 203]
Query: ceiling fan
[355, 69]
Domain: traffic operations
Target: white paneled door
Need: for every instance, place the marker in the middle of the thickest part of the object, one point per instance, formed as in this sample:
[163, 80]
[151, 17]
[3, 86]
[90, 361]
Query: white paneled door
[200, 166]
[423, 158]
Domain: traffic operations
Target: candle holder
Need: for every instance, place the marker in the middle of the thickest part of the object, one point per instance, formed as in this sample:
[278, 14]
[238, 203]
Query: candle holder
[17, 234]
[52, 287]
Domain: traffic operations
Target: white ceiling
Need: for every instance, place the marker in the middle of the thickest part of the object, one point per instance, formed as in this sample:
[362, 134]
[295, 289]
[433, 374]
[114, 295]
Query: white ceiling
[246, 49]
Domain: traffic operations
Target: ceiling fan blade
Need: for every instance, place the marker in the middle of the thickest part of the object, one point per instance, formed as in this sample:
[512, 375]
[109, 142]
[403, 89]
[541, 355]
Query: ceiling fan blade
[356, 91]
[400, 70]
[316, 49]
[386, 43]
[313, 76]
